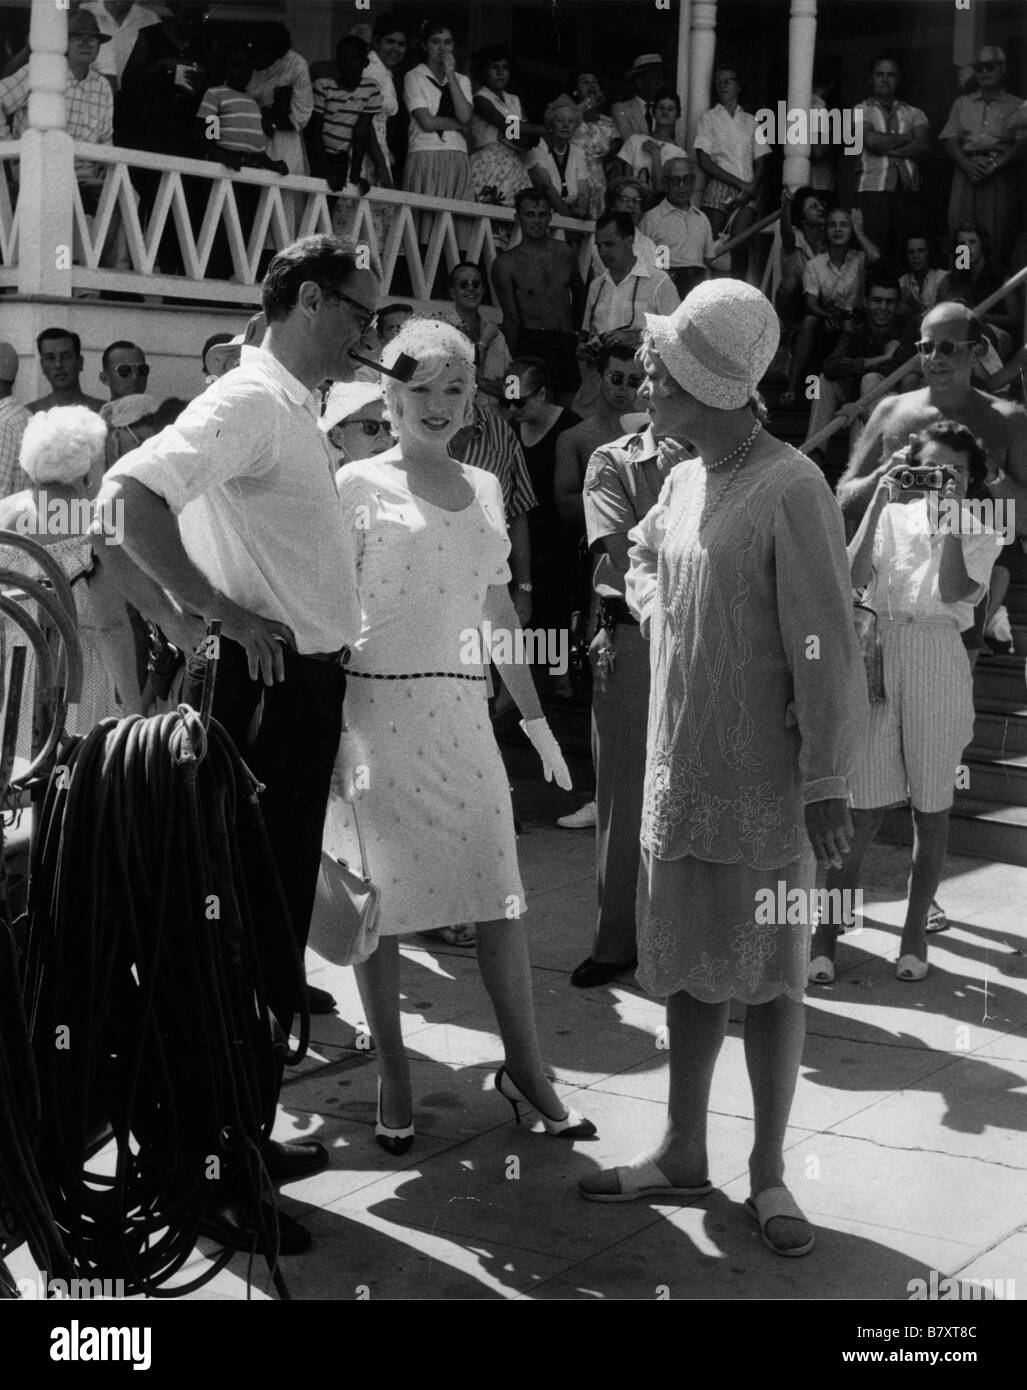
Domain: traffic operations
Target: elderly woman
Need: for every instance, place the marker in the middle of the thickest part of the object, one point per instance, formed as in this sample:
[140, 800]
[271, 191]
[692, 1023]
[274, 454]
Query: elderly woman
[62, 451]
[436, 816]
[757, 716]
[558, 166]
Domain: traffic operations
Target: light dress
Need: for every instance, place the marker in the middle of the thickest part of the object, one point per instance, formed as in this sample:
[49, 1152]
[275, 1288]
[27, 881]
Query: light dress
[436, 815]
[498, 172]
[749, 719]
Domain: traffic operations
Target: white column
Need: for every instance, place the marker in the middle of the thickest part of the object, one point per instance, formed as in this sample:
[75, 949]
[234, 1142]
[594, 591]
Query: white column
[704, 42]
[802, 38]
[46, 161]
[683, 68]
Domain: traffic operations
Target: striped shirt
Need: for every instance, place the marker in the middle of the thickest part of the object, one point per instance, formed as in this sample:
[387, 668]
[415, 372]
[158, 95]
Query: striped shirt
[13, 419]
[494, 447]
[340, 110]
[882, 173]
[90, 112]
[238, 116]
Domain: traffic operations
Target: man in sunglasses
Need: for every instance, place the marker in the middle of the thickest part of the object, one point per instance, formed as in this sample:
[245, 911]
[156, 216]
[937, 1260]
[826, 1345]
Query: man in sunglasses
[124, 369]
[984, 143]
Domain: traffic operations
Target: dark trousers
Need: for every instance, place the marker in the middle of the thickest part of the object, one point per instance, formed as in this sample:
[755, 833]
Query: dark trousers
[619, 717]
[292, 753]
[888, 219]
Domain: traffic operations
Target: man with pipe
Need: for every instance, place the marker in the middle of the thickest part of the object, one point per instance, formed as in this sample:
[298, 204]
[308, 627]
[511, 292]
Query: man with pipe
[231, 513]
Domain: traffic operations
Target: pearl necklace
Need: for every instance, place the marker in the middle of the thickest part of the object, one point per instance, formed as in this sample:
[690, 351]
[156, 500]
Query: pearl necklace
[742, 453]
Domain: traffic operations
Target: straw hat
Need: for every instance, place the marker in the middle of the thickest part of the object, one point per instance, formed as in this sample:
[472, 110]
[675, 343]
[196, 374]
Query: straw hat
[347, 397]
[718, 342]
[647, 60]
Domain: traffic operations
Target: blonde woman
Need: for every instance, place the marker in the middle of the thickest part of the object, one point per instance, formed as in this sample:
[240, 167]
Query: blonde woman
[435, 815]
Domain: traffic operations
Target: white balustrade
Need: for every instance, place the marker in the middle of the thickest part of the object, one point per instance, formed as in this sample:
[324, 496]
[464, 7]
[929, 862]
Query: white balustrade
[385, 222]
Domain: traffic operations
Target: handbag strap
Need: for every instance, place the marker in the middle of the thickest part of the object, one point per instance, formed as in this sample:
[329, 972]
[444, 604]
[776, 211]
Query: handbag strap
[360, 841]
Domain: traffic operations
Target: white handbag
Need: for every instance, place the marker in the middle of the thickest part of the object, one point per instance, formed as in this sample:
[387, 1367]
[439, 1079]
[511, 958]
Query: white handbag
[344, 922]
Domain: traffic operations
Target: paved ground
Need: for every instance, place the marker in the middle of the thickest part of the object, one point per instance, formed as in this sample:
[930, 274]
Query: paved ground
[906, 1147]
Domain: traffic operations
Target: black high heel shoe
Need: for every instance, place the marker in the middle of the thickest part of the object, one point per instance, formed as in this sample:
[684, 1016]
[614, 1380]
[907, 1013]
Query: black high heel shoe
[572, 1126]
[394, 1141]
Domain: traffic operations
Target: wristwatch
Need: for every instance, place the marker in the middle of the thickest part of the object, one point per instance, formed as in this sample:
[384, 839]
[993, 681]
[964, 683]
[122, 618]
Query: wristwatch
[525, 588]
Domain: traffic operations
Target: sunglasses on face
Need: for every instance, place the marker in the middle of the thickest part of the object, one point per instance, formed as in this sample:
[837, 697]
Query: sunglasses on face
[372, 428]
[985, 67]
[619, 379]
[468, 284]
[128, 368]
[947, 347]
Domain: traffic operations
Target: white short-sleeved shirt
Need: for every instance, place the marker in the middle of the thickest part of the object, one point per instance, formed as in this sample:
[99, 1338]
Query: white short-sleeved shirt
[730, 141]
[420, 90]
[906, 561]
[623, 307]
[249, 475]
[685, 232]
[841, 285]
[113, 57]
[575, 175]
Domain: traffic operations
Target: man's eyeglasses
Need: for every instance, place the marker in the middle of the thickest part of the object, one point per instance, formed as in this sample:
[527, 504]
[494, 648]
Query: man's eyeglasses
[946, 347]
[366, 318]
[468, 284]
[985, 67]
[127, 369]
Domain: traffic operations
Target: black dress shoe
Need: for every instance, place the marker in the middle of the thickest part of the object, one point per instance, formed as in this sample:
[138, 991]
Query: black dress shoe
[319, 1001]
[300, 1159]
[599, 972]
[224, 1227]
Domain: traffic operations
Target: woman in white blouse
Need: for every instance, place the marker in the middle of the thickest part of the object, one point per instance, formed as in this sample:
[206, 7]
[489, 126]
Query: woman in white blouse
[558, 167]
[440, 104]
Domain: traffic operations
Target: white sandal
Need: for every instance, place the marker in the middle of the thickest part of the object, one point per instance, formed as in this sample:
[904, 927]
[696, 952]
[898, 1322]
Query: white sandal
[778, 1201]
[820, 971]
[641, 1180]
[910, 969]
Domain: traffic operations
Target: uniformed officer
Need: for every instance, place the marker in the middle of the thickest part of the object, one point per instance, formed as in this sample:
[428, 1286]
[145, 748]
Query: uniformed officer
[622, 483]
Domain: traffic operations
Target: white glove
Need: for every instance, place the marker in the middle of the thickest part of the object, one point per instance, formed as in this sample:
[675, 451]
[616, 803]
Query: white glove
[548, 749]
[344, 773]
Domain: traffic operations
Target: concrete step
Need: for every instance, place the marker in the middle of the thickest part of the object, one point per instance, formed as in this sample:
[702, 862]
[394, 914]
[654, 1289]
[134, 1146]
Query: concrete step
[993, 778]
[981, 829]
[1001, 678]
[999, 730]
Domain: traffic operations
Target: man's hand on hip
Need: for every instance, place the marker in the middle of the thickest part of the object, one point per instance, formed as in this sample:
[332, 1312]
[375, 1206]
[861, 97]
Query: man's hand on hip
[262, 639]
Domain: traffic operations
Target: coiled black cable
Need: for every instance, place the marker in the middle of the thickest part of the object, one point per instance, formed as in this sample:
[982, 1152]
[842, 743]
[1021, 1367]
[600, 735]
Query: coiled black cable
[157, 927]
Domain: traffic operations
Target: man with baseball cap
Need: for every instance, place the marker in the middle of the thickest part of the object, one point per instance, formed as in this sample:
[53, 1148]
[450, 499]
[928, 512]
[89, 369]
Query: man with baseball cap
[635, 117]
[13, 419]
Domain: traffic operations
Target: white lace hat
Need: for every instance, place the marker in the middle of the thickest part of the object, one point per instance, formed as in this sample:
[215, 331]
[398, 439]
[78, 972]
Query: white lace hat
[718, 342]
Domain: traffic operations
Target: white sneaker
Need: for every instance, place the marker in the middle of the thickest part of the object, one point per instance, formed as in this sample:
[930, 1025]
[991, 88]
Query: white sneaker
[583, 819]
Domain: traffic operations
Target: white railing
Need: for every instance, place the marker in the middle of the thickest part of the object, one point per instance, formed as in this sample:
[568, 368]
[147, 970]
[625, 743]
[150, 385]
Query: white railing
[386, 222]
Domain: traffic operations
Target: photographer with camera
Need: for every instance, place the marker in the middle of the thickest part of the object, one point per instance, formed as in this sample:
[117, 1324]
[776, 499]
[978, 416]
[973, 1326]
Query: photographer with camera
[923, 566]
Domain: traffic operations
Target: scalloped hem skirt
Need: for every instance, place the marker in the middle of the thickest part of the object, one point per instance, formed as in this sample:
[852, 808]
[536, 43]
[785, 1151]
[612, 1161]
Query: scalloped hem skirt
[722, 931]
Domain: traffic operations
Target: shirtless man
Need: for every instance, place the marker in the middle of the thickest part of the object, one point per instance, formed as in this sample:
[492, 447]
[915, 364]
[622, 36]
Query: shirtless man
[541, 294]
[954, 331]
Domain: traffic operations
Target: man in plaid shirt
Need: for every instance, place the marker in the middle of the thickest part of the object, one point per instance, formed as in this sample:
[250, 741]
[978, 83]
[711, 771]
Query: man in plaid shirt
[89, 105]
